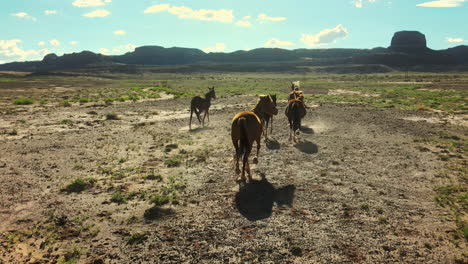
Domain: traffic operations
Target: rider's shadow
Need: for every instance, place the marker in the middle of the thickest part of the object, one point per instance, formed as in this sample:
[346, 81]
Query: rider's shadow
[255, 199]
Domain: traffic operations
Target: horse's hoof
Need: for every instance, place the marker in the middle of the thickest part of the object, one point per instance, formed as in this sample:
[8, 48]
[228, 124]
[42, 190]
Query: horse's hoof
[255, 160]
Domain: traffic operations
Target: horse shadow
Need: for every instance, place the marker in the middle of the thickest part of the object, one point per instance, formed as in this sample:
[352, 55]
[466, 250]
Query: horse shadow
[272, 144]
[255, 199]
[307, 130]
[307, 147]
[199, 129]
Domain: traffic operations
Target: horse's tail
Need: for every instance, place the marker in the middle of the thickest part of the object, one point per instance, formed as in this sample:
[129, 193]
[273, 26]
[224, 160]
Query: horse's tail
[244, 145]
[296, 116]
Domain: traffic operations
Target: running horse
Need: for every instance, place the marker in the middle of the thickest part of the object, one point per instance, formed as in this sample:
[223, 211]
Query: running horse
[200, 105]
[295, 110]
[246, 128]
[266, 119]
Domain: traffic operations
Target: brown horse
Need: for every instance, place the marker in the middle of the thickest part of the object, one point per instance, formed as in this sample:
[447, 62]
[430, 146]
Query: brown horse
[199, 105]
[266, 119]
[246, 128]
[295, 111]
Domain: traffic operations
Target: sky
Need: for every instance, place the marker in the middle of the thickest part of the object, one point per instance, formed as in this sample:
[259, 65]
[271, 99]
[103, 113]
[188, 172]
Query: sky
[30, 29]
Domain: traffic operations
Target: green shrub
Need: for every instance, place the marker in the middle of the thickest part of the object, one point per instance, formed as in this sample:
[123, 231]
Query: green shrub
[66, 122]
[173, 161]
[119, 198]
[136, 238]
[83, 100]
[66, 103]
[160, 200]
[111, 116]
[23, 101]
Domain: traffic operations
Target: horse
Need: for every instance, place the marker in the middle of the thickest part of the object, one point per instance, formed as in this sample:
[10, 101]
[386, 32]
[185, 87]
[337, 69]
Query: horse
[247, 127]
[199, 105]
[295, 111]
[267, 117]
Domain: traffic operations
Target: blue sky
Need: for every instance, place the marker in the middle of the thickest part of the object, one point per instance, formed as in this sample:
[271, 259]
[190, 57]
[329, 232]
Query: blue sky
[33, 28]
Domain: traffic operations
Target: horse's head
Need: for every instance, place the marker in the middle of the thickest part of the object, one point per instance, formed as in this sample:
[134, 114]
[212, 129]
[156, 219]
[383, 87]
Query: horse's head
[268, 105]
[211, 92]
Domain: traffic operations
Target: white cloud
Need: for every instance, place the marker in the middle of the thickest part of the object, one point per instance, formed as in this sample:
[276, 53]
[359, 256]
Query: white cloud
[359, 3]
[243, 23]
[123, 48]
[276, 43]
[24, 15]
[88, 3]
[264, 18]
[325, 37]
[218, 47]
[73, 43]
[54, 43]
[10, 51]
[98, 13]
[104, 51]
[50, 12]
[41, 43]
[443, 3]
[184, 12]
[455, 40]
[120, 32]
[247, 17]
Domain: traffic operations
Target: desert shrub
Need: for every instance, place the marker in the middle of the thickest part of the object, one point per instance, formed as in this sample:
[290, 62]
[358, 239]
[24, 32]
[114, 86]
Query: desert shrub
[159, 200]
[111, 116]
[66, 103]
[173, 161]
[23, 101]
[119, 198]
[136, 238]
[66, 122]
[78, 185]
[83, 100]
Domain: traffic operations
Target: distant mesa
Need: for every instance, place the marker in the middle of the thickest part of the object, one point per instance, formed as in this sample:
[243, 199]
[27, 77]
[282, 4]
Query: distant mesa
[408, 41]
[50, 58]
[408, 50]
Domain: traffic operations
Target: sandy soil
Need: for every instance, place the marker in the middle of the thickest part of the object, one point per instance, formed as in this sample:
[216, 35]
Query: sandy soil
[357, 189]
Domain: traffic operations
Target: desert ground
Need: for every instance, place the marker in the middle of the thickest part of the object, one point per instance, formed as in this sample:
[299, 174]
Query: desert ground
[102, 168]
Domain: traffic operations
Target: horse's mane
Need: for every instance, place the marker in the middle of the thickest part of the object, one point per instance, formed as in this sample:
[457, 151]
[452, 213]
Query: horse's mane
[260, 99]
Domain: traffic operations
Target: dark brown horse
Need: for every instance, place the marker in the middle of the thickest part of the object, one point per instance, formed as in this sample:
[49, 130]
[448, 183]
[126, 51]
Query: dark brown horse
[246, 128]
[200, 105]
[295, 111]
[266, 119]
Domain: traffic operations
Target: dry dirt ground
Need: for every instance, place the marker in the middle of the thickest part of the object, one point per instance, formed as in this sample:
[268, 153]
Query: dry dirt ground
[358, 188]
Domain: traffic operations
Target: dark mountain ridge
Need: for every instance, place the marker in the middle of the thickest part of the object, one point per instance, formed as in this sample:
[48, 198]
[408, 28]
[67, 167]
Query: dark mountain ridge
[407, 49]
